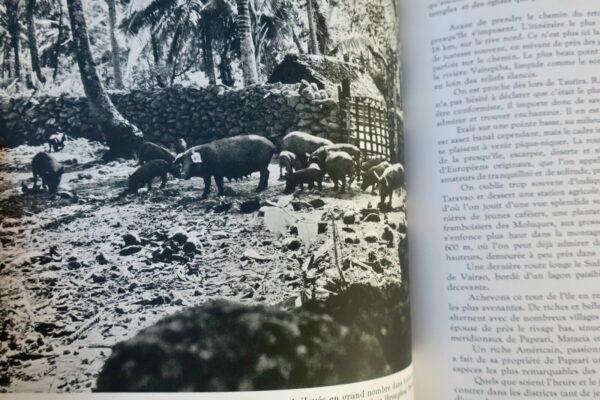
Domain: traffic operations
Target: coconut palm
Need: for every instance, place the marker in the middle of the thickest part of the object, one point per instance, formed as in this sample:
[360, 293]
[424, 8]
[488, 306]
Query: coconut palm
[31, 37]
[184, 22]
[114, 45]
[244, 35]
[121, 136]
[13, 26]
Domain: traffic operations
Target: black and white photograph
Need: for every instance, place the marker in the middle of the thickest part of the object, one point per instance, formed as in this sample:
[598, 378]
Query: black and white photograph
[201, 195]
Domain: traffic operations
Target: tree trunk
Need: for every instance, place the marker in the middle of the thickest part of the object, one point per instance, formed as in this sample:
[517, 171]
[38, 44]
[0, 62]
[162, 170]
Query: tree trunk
[121, 136]
[58, 41]
[248, 60]
[14, 29]
[33, 48]
[207, 52]
[156, 56]
[297, 41]
[225, 69]
[6, 64]
[114, 45]
[313, 44]
[172, 56]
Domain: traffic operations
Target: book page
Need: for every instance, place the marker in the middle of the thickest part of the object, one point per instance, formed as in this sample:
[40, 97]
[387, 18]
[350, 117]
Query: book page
[503, 112]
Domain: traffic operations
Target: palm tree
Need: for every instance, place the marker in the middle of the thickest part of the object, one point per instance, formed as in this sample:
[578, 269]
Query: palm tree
[184, 23]
[248, 60]
[33, 48]
[313, 44]
[121, 136]
[114, 45]
[11, 8]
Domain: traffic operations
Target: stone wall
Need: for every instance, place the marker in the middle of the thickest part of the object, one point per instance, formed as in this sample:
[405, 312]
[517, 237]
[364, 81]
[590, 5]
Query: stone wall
[196, 115]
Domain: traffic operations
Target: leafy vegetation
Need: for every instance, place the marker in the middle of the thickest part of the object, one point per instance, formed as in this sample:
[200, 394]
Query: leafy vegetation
[158, 43]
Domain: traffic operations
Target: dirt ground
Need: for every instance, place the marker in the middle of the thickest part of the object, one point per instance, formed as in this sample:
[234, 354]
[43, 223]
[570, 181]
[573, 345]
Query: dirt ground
[70, 287]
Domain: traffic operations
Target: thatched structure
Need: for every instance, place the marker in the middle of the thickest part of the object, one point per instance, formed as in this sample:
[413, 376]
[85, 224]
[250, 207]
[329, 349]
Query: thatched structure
[328, 73]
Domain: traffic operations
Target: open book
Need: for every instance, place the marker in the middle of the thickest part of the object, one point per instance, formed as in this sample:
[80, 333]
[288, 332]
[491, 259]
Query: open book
[272, 263]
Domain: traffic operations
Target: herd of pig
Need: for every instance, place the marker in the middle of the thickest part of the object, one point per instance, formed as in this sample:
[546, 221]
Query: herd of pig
[304, 159]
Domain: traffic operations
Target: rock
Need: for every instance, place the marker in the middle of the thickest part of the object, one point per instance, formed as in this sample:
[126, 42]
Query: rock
[97, 278]
[224, 346]
[74, 265]
[384, 207]
[377, 267]
[321, 228]
[155, 300]
[387, 235]
[129, 250]
[63, 194]
[101, 259]
[372, 218]
[349, 218]
[217, 235]
[189, 247]
[223, 207]
[180, 237]
[366, 211]
[371, 238]
[402, 228]
[293, 230]
[299, 205]
[292, 244]
[351, 240]
[317, 203]
[131, 239]
[250, 206]
[348, 229]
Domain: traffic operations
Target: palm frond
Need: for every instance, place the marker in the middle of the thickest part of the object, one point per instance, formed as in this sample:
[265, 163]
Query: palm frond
[358, 43]
[147, 16]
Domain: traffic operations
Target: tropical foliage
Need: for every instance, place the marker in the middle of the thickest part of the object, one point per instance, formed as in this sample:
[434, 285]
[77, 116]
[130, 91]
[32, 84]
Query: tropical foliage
[149, 43]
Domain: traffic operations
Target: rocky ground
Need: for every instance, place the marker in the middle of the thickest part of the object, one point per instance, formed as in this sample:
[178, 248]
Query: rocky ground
[87, 268]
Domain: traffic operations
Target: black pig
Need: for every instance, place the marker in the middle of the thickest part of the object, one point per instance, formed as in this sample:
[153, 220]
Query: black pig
[146, 173]
[391, 179]
[311, 175]
[233, 157]
[301, 143]
[370, 176]
[340, 164]
[56, 142]
[50, 170]
[180, 146]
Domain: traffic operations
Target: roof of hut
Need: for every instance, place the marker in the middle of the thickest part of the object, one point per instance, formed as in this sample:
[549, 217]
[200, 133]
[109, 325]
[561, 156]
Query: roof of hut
[327, 72]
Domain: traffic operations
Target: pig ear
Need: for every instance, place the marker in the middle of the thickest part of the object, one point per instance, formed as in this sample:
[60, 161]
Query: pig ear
[196, 158]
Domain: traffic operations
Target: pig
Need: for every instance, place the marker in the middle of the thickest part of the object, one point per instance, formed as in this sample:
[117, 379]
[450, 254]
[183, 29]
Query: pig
[50, 170]
[340, 164]
[370, 163]
[391, 179]
[152, 151]
[146, 173]
[180, 146]
[233, 157]
[370, 176]
[310, 175]
[301, 143]
[320, 155]
[56, 142]
[288, 162]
